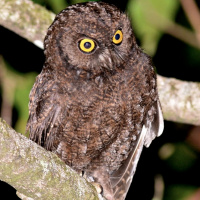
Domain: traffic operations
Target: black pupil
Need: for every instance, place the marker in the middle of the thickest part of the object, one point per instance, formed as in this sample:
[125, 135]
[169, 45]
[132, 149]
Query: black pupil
[117, 36]
[87, 45]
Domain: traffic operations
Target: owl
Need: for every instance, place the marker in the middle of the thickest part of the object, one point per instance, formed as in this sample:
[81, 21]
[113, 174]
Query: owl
[95, 104]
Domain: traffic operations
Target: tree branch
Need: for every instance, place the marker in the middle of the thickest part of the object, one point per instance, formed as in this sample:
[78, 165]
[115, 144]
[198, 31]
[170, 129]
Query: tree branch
[180, 100]
[36, 173]
[27, 19]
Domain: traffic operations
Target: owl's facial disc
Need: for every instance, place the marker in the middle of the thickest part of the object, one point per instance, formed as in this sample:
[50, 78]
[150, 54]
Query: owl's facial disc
[96, 39]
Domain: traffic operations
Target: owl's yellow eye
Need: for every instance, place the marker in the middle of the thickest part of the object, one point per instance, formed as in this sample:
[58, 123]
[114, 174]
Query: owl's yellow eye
[87, 45]
[118, 37]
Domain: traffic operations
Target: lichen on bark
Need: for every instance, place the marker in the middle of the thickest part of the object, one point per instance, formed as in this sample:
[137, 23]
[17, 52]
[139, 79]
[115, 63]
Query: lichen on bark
[25, 18]
[180, 100]
[36, 173]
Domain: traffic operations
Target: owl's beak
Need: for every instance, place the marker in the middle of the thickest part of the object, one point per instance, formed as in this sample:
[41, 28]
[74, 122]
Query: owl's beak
[105, 59]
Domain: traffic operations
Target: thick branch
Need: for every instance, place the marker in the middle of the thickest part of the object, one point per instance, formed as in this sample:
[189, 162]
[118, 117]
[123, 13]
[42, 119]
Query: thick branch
[25, 18]
[37, 173]
[179, 99]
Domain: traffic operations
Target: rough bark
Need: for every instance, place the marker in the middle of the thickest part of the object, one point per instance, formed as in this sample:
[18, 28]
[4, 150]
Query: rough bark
[36, 173]
[25, 18]
[180, 100]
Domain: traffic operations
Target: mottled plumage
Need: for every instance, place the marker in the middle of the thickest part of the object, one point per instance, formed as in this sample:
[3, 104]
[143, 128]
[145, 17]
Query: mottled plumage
[95, 109]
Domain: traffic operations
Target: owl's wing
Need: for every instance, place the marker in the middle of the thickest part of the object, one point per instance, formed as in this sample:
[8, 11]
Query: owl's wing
[44, 112]
[122, 178]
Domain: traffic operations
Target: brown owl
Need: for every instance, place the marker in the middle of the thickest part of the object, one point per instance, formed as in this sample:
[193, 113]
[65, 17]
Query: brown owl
[95, 103]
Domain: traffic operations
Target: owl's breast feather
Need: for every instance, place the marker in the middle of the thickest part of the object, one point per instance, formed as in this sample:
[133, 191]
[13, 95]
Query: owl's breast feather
[106, 119]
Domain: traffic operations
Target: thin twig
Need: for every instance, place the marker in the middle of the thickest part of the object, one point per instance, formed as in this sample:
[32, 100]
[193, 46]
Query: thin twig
[193, 14]
[168, 26]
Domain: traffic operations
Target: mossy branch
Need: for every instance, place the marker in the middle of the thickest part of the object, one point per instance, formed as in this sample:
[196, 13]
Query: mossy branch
[180, 100]
[36, 173]
[25, 18]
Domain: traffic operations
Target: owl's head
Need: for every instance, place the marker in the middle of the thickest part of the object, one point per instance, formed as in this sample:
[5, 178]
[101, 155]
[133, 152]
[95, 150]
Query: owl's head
[94, 37]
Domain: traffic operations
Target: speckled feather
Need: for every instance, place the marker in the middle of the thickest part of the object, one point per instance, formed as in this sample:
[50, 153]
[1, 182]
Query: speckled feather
[95, 110]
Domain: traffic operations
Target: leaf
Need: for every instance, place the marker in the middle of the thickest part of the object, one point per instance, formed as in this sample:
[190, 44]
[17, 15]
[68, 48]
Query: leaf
[18, 89]
[24, 84]
[180, 192]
